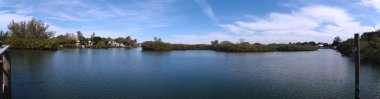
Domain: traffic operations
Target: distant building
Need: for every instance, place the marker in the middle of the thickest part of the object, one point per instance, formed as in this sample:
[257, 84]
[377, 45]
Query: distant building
[114, 43]
[77, 42]
[89, 43]
[320, 46]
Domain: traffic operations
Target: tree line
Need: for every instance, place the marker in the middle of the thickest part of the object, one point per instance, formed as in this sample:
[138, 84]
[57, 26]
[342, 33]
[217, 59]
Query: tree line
[158, 45]
[34, 34]
[369, 45]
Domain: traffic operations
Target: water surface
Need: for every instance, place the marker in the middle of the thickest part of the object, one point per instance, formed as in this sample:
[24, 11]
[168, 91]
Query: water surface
[132, 73]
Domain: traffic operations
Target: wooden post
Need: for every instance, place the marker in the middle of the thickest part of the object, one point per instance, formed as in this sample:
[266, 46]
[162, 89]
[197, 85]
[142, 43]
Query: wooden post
[1, 76]
[5, 73]
[357, 66]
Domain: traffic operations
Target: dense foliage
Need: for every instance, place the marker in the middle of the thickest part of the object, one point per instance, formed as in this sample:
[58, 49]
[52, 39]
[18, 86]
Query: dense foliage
[230, 47]
[190, 47]
[31, 34]
[34, 34]
[67, 39]
[337, 41]
[369, 45]
[158, 45]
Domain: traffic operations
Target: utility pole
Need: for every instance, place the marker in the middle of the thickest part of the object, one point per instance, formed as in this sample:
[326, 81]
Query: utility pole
[357, 66]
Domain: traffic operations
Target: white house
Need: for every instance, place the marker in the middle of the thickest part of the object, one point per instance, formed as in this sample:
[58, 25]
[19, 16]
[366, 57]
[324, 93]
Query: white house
[113, 43]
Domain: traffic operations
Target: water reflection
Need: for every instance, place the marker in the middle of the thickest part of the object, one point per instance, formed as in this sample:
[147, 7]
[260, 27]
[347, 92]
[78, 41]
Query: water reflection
[132, 73]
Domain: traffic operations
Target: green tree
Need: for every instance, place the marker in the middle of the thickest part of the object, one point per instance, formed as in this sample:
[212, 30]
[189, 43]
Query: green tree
[312, 43]
[346, 48]
[33, 29]
[371, 52]
[66, 39]
[326, 45]
[262, 44]
[120, 40]
[81, 38]
[215, 42]
[32, 34]
[156, 45]
[367, 36]
[130, 42]
[135, 41]
[336, 41]
[96, 40]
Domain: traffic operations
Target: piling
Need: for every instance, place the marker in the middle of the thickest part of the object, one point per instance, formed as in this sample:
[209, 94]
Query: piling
[357, 66]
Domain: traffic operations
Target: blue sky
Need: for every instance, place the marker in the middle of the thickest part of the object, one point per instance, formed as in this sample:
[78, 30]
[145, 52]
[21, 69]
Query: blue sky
[200, 21]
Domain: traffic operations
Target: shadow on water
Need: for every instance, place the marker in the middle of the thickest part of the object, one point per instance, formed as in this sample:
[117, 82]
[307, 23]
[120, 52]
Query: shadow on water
[28, 67]
[370, 81]
[31, 59]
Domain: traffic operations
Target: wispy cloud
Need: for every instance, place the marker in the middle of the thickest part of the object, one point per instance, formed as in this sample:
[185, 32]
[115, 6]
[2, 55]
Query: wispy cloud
[116, 10]
[201, 39]
[21, 9]
[7, 17]
[104, 16]
[320, 22]
[371, 3]
[68, 3]
[222, 36]
[207, 9]
[64, 16]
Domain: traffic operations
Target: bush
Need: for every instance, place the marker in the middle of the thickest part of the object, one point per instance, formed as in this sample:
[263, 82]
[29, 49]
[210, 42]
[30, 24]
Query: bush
[369, 45]
[156, 46]
[190, 47]
[101, 45]
[296, 48]
[346, 48]
[70, 46]
[19, 43]
[31, 34]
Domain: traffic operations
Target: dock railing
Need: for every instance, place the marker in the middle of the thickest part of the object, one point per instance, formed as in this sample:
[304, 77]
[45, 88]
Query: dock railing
[5, 63]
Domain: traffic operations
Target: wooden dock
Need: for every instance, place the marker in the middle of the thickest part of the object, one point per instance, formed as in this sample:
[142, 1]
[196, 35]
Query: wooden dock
[5, 61]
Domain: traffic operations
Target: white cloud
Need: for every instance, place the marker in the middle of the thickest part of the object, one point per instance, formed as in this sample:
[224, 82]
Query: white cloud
[106, 18]
[64, 16]
[207, 8]
[99, 31]
[68, 3]
[199, 39]
[318, 23]
[7, 17]
[371, 3]
[116, 10]
[207, 38]
[22, 9]
[145, 12]
[377, 26]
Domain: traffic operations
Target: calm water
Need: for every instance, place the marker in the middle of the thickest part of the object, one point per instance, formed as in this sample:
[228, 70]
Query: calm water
[132, 73]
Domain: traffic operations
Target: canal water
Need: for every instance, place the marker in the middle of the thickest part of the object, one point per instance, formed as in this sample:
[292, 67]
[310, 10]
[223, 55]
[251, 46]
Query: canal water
[197, 74]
